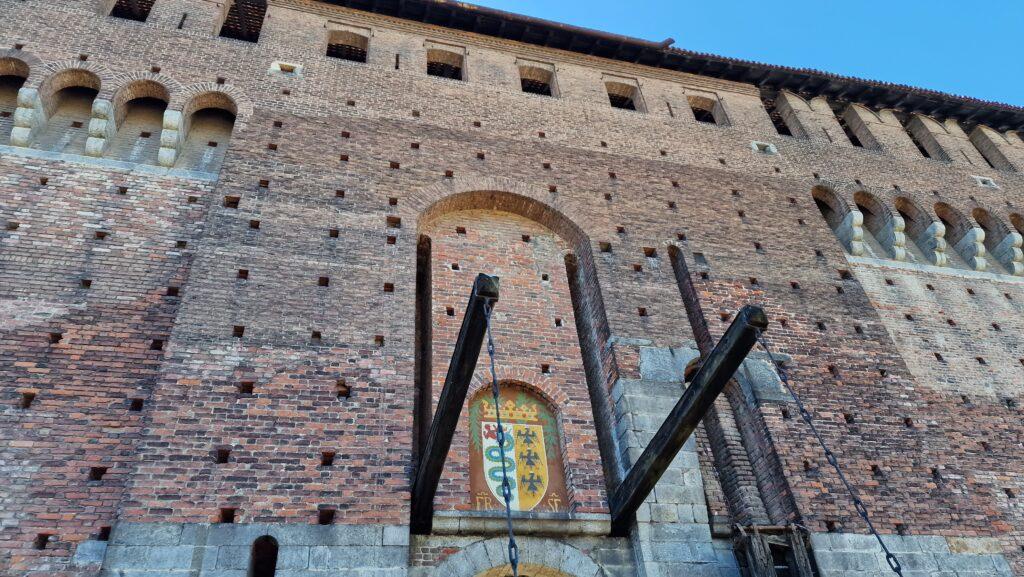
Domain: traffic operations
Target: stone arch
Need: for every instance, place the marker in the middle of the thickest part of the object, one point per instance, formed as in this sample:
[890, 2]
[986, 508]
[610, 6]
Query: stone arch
[846, 223]
[216, 111]
[56, 113]
[14, 72]
[591, 326]
[884, 230]
[1001, 242]
[966, 239]
[488, 558]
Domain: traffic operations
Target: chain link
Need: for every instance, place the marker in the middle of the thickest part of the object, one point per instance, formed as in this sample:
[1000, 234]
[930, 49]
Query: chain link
[506, 488]
[858, 504]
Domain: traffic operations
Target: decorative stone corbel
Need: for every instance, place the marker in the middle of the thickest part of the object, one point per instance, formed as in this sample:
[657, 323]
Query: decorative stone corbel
[851, 232]
[102, 128]
[1009, 253]
[170, 138]
[934, 244]
[972, 248]
[29, 118]
[894, 238]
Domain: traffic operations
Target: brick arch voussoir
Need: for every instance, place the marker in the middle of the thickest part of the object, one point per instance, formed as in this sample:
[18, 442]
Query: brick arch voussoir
[19, 63]
[126, 87]
[482, 556]
[196, 97]
[531, 201]
[55, 76]
[538, 383]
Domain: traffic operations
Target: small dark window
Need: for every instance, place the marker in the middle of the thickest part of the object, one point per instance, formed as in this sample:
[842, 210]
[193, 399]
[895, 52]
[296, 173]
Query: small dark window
[444, 64]
[535, 87]
[347, 46]
[849, 132]
[244, 21]
[620, 101]
[776, 117]
[137, 10]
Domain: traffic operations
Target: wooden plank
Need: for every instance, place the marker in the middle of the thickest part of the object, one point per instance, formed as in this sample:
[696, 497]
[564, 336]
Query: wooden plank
[449, 405]
[707, 384]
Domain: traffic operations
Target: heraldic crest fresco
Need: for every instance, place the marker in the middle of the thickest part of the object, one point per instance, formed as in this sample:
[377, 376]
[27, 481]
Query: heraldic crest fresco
[533, 457]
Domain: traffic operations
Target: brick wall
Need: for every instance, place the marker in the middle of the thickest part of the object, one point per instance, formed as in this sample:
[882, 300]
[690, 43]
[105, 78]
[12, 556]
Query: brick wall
[627, 186]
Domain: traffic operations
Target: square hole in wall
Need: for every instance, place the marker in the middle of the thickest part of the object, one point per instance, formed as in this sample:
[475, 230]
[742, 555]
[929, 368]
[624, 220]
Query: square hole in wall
[227, 515]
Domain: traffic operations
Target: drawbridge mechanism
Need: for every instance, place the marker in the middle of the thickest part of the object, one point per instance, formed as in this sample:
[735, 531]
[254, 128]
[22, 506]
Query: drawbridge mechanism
[761, 548]
[707, 384]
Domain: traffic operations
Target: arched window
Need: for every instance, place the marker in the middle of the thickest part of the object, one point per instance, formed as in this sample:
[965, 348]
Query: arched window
[533, 452]
[624, 96]
[263, 558]
[207, 123]
[12, 76]
[445, 64]
[347, 45]
[68, 111]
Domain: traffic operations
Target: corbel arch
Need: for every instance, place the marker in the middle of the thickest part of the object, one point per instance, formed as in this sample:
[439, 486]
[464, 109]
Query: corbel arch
[846, 223]
[883, 227]
[127, 124]
[54, 108]
[216, 111]
[927, 236]
[14, 72]
[1001, 242]
[964, 236]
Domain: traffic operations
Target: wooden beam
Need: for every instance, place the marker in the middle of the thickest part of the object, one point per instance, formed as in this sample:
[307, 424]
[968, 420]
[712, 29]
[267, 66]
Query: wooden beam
[707, 384]
[449, 405]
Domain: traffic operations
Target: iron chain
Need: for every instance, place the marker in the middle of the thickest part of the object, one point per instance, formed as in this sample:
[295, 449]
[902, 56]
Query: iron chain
[858, 504]
[506, 488]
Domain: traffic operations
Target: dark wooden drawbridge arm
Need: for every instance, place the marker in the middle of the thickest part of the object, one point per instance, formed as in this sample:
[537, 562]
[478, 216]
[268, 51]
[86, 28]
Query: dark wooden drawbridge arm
[707, 384]
[449, 406]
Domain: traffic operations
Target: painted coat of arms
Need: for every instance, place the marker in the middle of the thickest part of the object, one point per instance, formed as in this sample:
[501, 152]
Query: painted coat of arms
[533, 458]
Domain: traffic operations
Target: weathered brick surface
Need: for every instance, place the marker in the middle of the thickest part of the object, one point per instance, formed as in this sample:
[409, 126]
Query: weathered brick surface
[569, 171]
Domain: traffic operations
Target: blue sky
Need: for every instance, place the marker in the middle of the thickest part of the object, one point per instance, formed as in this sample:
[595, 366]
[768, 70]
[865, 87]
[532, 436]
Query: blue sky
[974, 48]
